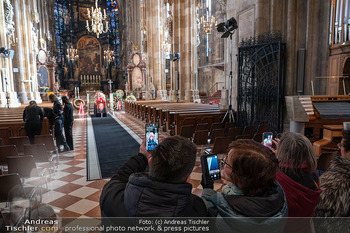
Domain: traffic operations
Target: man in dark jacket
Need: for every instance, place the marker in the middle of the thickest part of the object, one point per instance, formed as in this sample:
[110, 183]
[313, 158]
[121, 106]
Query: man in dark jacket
[32, 116]
[164, 191]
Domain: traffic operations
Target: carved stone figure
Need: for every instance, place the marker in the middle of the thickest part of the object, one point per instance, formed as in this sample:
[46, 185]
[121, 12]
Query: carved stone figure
[104, 73]
[169, 26]
[8, 12]
[10, 29]
[35, 41]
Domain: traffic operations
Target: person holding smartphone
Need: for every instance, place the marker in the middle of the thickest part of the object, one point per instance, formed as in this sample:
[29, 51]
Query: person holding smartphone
[250, 169]
[163, 191]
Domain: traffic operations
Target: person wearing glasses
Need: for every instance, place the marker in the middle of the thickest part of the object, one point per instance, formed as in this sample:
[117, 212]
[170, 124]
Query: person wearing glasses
[335, 184]
[250, 170]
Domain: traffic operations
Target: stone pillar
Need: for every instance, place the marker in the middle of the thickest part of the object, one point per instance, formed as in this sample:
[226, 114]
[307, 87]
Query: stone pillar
[155, 63]
[51, 68]
[183, 41]
[7, 82]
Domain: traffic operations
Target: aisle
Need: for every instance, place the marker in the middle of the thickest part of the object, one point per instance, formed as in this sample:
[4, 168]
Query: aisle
[114, 145]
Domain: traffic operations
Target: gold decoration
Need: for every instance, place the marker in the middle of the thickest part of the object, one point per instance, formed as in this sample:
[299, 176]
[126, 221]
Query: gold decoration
[97, 20]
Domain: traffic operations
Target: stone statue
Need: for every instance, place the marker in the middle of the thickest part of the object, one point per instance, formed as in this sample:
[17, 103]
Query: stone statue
[152, 89]
[169, 25]
[66, 72]
[104, 73]
[10, 29]
[8, 12]
[35, 40]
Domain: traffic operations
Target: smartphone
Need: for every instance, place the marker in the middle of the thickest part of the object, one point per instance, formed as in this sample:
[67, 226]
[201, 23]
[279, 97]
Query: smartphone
[267, 139]
[152, 136]
[210, 166]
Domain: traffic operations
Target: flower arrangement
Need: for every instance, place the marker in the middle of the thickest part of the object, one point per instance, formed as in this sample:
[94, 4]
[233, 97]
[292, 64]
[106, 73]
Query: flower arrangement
[100, 98]
[131, 98]
[76, 103]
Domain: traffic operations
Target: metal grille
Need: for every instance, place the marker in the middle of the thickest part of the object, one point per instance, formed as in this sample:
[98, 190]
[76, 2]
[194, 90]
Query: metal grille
[260, 97]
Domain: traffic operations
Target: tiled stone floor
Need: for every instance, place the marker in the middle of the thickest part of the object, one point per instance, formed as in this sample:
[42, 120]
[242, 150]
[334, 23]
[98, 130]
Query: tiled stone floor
[70, 193]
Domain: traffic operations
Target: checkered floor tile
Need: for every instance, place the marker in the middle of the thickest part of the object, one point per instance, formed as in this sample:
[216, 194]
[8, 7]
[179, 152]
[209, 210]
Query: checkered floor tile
[70, 193]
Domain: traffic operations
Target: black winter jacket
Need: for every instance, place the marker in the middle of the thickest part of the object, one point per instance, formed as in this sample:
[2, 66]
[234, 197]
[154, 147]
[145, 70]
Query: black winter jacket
[68, 113]
[142, 196]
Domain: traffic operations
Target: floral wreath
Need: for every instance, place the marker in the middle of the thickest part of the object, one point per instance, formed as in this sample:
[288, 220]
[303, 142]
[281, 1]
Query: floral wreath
[76, 103]
[100, 97]
[115, 103]
[131, 98]
[119, 94]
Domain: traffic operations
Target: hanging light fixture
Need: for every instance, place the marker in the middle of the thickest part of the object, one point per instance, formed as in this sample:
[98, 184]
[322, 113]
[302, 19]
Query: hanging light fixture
[208, 22]
[108, 55]
[97, 20]
[72, 54]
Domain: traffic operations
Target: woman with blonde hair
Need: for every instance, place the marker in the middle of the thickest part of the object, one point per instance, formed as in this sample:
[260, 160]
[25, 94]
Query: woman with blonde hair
[297, 165]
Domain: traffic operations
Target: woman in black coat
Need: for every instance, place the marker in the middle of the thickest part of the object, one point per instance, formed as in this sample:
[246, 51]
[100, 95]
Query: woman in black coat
[57, 111]
[68, 121]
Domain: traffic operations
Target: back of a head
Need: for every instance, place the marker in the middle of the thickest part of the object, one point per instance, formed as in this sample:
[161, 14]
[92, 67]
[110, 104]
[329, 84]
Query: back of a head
[173, 160]
[253, 168]
[65, 100]
[53, 98]
[32, 103]
[296, 155]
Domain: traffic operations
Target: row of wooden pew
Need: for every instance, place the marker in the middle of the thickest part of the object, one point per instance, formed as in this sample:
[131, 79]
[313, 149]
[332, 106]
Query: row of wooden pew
[175, 115]
[12, 124]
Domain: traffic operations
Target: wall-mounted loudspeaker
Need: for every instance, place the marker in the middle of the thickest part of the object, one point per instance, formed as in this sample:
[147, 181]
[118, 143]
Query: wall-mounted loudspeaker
[301, 71]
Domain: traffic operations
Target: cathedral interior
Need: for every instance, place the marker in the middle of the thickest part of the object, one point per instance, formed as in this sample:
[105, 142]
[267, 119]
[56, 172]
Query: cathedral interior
[248, 62]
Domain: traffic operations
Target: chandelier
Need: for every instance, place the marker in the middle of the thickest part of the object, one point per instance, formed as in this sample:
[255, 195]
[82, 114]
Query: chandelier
[97, 20]
[72, 54]
[208, 22]
[108, 55]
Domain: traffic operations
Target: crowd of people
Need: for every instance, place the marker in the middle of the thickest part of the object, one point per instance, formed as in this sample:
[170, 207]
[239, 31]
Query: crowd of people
[61, 118]
[262, 185]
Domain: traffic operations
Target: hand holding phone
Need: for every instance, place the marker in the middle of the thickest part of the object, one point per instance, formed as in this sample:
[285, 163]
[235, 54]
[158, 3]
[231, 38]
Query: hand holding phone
[152, 136]
[267, 139]
[210, 167]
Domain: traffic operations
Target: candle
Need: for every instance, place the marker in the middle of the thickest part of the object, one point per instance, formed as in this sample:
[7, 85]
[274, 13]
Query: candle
[87, 23]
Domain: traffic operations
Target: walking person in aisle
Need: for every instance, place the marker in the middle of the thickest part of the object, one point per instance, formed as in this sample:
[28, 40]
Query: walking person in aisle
[32, 116]
[68, 121]
[58, 112]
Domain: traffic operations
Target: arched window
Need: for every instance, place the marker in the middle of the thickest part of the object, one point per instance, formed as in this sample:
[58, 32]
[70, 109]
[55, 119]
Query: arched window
[113, 12]
[60, 10]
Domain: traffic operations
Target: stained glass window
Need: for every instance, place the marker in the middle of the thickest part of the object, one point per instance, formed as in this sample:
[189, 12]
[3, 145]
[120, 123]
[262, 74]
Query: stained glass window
[60, 9]
[113, 12]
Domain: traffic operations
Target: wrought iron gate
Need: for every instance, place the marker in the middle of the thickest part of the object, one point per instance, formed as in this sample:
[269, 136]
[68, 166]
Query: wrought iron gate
[260, 97]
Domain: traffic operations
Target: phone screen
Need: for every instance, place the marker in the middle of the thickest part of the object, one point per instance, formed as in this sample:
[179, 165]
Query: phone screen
[151, 136]
[213, 167]
[267, 139]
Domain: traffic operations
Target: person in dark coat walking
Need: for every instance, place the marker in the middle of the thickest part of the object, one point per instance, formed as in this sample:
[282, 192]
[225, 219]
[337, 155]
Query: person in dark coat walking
[32, 116]
[58, 112]
[164, 191]
[68, 121]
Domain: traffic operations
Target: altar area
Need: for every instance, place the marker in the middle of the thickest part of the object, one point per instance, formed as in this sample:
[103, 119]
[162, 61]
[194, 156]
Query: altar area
[90, 82]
